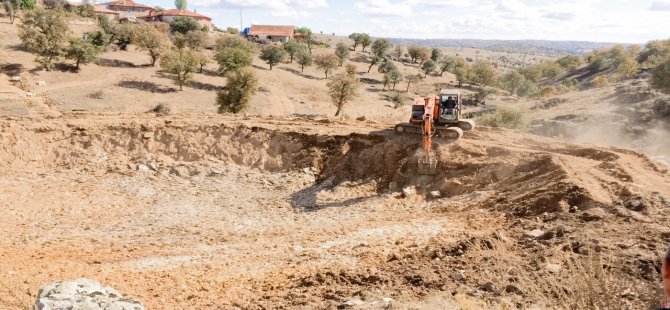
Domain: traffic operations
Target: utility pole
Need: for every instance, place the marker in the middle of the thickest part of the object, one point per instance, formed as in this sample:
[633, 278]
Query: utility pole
[241, 23]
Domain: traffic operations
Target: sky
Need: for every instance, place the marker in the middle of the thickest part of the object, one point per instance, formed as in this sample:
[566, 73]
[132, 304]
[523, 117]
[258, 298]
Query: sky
[621, 21]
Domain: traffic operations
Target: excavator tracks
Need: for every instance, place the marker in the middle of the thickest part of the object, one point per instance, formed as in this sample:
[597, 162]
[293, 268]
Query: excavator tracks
[453, 133]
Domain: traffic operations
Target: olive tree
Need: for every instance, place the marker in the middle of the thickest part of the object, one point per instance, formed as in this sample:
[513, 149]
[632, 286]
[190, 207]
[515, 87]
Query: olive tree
[44, 33]
[342, 89]
[292, 47]
[342, 52]
[233, 54]
[12, 7]
[326, 62]
[82, 52]
[412, 79]
[660, 76]
[365, 41]
[236, 96]
[428, 67]
[184, 24]
[272, 55]
[181, 63]
[304, 59]
[147, 38]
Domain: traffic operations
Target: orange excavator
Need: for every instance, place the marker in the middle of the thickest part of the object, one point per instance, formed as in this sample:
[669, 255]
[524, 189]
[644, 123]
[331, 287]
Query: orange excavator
[436, 115]
[665, 304]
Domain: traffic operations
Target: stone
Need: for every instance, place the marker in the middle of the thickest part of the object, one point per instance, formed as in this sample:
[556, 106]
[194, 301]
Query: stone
[15, 78]
[143, 168]
[458, 276]
[511, 289]
[393, 186]
[82, 294]
[361, 118]
[387, 299]
[147, 135]
[553, 268]
[29, 94]
[488, 287]
[41, 83]
[435, 194]
[353, 303]
[409, 191]
[535, 233]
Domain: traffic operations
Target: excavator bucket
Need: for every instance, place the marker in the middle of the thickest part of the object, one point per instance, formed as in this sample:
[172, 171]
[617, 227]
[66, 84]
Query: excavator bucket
[428, 165]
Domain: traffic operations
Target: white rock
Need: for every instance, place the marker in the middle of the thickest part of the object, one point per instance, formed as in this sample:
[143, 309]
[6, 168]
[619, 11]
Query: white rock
[457, 276]
[409, 191]
[15, 78]
[535, 233]
[29, 94]
[41, 83]
[554, 268]
[143, 168]
[354, 302]
[387, 299]
[82, 294]
[435, 194]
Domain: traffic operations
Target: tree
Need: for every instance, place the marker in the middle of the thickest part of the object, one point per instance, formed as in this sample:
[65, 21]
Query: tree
[272, 55]
[146, 37]
[511, 81]
[570, 62]
[124, 36]
[398, 51]
[380, 47]
[326, 63]
[627, 68]
[342, 89]
[413, 52]
[305, 36]
[447, 64]
[484, 74]
[528, 88]
[12, 7]
[232, 54]
[304, 59]
[203, 60]
[342, 52]
[180, 4]
[194, 39]
[660, 76]
[463, 75]
[292, 47]
[435, 54]
[181, 63]
[84, 10]
[428, 67]
[365, 40]
[356, 37]
[387, 66]
[654, 53]
[54, 4]
[232, 30]
[412, 79]
[82, 52]
[184, 24]
[44, 33]
[374, 60]
[424, 54]
[393, 77]
[236, 95]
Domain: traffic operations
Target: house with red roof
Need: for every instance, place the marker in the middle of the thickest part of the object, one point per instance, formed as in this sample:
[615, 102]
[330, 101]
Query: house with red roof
[126, 8]
[271, 33]
[111, 15]
[168, 16]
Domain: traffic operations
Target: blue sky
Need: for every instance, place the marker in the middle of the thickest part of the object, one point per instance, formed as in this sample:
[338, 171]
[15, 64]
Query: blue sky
[589, 20]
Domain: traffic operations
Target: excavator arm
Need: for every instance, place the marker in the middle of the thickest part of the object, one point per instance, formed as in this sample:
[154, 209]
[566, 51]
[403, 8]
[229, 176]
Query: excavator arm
[428, 162]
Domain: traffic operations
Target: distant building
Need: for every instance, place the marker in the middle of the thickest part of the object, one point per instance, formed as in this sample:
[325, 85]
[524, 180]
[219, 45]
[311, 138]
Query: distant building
[168, 16]
[271, 33]
[111, 15]
[127, 8]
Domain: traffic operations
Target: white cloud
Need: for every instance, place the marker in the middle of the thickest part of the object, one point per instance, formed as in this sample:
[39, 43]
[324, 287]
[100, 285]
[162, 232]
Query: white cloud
[441, 3]
[660, 6]
[383, 8]
[276, 5]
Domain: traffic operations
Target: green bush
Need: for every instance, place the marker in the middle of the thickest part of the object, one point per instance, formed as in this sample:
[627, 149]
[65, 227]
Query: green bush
[506, 117]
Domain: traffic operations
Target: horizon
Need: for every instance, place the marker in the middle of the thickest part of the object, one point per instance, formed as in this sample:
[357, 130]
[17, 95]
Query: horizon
[570, 20]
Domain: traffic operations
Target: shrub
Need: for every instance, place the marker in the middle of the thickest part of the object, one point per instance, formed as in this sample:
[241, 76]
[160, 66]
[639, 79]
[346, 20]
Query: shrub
[600, 81]
[483, 73]
[236, 95]
[511, 82]
[161, 108]
[272, 55]
[96, 95]
[397, 99]
[44, 33]
[660, 76]
[505, 117]
[350, 69]
[181, 64]
[342, 89]
[232, 30]
[570, 62]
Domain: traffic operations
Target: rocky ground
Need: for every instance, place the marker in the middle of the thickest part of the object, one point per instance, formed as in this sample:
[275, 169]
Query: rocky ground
[218, 212]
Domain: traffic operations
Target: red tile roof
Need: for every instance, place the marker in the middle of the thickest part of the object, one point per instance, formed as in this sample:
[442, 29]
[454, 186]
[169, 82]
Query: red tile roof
[177, 12]
[266, 30]
[126, 3]
[105, 11]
